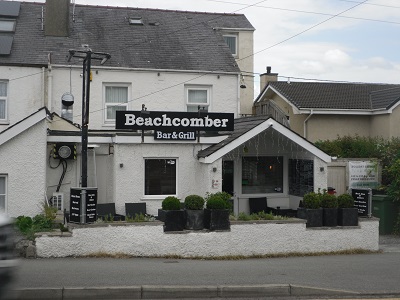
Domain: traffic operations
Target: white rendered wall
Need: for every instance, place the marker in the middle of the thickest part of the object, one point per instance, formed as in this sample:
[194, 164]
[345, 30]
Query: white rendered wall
[193, 177]
[243, 239]
[25, 92]
[163, 92]
[23, 159]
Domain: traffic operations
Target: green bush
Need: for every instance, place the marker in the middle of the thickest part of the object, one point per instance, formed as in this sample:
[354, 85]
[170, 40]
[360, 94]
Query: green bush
[171, 203]
[219, 200]
[194, 202]
[329, 201]
[345, 201]
[312, 200]
[29, 226]
[24, 224]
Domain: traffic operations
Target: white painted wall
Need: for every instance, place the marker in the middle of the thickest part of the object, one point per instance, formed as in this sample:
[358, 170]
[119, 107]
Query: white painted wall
[243, 239]
[163, 92]
[25, 92]
[193, 176]
[23, 160]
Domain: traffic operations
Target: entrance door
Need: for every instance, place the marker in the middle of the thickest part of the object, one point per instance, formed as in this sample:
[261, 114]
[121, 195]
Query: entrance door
[227, 176]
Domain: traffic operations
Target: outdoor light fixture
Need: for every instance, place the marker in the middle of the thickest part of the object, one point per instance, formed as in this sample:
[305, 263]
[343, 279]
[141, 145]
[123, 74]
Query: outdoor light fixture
[242, 84]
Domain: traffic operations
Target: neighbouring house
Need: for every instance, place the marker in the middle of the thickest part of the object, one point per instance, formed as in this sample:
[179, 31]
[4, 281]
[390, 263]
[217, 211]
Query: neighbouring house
[165, 110]
[326, 110]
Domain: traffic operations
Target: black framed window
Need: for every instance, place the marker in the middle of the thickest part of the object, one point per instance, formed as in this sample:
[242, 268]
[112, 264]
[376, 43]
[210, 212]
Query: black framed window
[160, 177]
[262, 174]
[301, 177]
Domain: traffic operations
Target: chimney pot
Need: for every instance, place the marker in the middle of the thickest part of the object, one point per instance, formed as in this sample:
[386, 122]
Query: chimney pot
[268, 70]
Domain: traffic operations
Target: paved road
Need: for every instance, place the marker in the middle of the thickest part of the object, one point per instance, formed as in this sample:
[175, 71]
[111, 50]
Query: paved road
[377, 273]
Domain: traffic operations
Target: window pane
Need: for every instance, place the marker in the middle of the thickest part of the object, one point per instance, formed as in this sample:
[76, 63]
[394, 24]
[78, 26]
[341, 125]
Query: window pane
[3, 89]
[197, 96]
[301, 177]
[2, 203]
[2, 109]
[231, 42]
[6, 25]
[116, 94]
[2, 185]
[160, 177]
[112, 109]
[262, 174]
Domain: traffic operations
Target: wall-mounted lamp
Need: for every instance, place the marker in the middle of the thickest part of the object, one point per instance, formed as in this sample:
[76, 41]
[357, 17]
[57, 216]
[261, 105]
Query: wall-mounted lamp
[322, 169]
[121, 165]
[110, 149]
[214, 169]
[242, 84]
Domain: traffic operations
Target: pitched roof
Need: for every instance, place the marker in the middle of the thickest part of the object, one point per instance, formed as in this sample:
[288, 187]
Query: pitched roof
[248, 127]
[175, 40]
[321, 95]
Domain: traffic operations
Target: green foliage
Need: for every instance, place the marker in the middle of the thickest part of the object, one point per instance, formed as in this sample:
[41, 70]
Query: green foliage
[137, 218]
[29, 226]
[329, 201]
[171, 203]
[194, 202]
[345, 201]
[393, 189]
[385, 151]
[259, 216]
[219, 200]
[312, 200]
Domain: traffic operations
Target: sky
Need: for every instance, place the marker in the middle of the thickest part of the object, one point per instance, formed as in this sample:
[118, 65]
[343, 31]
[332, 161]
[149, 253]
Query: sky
[309, 40]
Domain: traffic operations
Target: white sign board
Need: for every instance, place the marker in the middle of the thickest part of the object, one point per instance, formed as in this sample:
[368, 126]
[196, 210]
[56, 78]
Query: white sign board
[363, 174]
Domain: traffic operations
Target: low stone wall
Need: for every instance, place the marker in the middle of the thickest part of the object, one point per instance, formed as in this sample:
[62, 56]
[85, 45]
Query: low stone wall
[244, 239]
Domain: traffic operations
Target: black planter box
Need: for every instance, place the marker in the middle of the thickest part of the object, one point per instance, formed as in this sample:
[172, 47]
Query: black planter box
[348, 216]
[314, 217]
[174, 220]
[301, 213]
[330, 217]
[216, 219]
[194, 219]
[161, 215]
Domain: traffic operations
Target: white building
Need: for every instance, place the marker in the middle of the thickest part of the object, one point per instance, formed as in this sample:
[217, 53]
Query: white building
[165, 61]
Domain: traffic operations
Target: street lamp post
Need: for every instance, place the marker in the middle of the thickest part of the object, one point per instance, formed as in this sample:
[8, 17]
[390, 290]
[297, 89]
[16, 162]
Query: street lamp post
[87, 55]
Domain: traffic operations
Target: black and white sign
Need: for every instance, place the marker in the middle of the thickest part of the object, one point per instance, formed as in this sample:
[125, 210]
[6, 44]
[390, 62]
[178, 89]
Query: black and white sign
[175, 135]
[174, 121]
[363, 201]
[75, 211]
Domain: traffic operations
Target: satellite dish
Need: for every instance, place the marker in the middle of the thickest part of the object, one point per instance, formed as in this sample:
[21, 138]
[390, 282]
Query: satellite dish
[67, 99]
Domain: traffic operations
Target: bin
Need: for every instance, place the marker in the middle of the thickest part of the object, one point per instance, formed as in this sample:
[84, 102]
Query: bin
[386, 210]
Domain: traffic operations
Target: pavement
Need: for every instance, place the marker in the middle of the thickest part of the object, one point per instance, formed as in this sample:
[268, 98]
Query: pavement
[368, 276]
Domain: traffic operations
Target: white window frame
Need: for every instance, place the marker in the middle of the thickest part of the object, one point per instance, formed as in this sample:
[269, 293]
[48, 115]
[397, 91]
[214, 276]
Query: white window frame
[206, 88]
[3, 176]
[232, 35]
[122, 104]
[162, 196]
[5, 99]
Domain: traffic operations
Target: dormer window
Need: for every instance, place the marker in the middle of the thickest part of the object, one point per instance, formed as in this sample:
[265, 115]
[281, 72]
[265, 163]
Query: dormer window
[231, 41]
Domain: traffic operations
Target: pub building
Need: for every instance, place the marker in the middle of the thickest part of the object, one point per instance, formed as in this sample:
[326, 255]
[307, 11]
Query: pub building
[155, 154]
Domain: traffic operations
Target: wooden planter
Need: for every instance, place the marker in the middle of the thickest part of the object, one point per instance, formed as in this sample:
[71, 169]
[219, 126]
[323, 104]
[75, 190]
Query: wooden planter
[330, 217]
[194, 219]
[347, 216]
[216, 219]
[174, 220]
[314, 217]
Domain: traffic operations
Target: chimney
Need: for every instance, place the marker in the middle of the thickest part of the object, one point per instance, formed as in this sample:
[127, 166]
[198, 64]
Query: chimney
[267, 77]
[57, 18]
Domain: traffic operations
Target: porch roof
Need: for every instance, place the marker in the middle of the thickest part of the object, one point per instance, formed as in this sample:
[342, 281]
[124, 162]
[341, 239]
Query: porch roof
[247, 128]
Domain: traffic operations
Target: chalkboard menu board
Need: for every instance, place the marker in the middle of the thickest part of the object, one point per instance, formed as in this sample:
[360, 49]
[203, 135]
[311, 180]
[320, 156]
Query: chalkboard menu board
[362, 200]
[76, 205]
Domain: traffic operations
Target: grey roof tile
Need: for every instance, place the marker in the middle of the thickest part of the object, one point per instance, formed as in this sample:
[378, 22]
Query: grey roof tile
[364, 96]
[181, 41]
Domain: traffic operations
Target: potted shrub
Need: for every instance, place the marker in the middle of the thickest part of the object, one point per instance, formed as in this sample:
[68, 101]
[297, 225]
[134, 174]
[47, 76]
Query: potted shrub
[347, 213]
[174, 216]
[312, 204]
[194, 211]
[329, 205]
[216, 213]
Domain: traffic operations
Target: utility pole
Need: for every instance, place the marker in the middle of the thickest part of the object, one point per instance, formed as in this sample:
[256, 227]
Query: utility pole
[87, 55]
